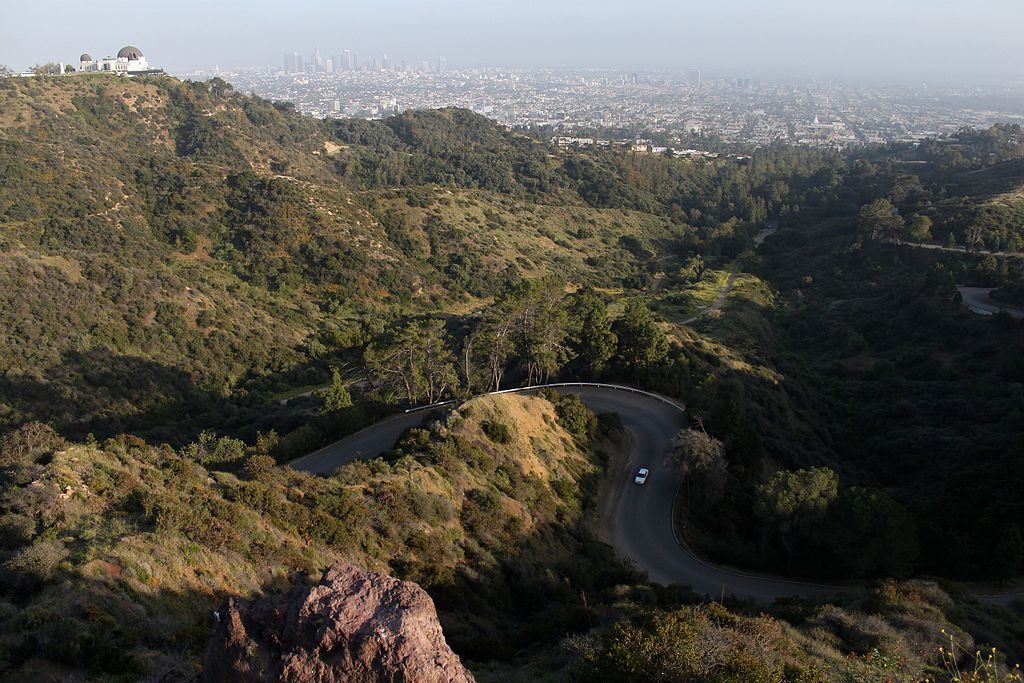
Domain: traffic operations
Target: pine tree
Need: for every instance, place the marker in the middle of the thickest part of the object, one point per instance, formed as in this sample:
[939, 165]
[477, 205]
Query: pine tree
[336, 397]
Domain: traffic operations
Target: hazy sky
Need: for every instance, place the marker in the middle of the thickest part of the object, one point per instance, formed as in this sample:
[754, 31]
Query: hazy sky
[933, 39]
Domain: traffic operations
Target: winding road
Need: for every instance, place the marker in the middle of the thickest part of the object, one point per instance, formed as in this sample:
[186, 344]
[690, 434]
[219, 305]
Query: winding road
[642, 522]
[642, 528]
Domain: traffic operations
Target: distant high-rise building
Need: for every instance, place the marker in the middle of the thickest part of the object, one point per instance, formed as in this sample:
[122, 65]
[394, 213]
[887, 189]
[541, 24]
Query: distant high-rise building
[317, 61]
[329, 65]
[694, 78]
[442, 65]
[293, 63]
[346, 60]
[384, 63]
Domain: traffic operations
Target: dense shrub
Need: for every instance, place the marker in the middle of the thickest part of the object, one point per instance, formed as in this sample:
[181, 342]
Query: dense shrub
[498, 432]
[27, 443]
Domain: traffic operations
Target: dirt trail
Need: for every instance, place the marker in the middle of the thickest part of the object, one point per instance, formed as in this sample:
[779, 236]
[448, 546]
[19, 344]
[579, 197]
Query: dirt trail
[719, 301]
[717, 304]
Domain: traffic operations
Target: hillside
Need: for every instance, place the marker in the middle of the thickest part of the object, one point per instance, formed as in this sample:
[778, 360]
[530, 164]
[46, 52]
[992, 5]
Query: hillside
[187, 245]
[201, 285]
[199, 253]
[118, 551]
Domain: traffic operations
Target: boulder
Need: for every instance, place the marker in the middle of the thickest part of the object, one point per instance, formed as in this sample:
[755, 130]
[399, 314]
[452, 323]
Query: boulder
[353, 626]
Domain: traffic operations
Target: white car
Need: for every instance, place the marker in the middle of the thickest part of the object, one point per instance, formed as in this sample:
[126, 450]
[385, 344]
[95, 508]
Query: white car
[641, 476]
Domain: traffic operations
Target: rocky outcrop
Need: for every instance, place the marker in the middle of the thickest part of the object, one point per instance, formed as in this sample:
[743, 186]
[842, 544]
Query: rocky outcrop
[353, 626]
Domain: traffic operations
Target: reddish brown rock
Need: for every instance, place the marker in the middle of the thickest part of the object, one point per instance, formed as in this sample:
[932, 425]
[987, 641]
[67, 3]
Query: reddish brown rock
[353, 626]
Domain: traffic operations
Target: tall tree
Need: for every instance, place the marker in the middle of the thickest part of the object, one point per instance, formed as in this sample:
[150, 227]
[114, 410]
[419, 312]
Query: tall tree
[490, 346]
[701, 457]
[592, 336]
[790, 503]
[692, 269]
[543, 328]
[919, 229]
[641, 343]
[439, 374]
[870, 534]
[336, 397]
[879, 220]
[417, 362]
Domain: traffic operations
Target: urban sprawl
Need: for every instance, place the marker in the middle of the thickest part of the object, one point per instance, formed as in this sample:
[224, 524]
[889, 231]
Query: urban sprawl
[668, 110]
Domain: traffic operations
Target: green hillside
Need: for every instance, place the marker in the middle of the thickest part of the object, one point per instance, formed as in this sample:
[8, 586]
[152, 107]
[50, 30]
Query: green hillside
[190, 245]
[200, 285]
[117, 552]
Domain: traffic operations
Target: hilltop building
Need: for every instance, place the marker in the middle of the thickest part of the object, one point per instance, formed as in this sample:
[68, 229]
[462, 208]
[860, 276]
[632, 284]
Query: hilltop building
[129, 62]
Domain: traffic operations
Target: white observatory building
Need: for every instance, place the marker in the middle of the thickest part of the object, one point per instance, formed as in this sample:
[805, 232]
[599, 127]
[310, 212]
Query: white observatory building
[129, 62]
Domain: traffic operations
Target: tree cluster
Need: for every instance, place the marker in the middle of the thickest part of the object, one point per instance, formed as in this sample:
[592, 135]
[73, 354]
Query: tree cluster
[534, 330]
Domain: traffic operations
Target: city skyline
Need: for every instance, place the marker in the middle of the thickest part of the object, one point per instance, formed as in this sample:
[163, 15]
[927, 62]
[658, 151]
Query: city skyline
[676, 111]
[348, 60]
[908, 40]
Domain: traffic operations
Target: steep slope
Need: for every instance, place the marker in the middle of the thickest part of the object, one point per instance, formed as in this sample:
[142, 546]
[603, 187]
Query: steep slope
[180, 244]
[114, 554]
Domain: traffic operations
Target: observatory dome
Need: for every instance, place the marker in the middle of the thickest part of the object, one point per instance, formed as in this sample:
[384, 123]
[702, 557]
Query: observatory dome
[130, 52]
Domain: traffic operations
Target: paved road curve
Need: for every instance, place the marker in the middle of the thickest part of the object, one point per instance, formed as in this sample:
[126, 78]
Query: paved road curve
[643, 514]
[368, 443]
[978, 301]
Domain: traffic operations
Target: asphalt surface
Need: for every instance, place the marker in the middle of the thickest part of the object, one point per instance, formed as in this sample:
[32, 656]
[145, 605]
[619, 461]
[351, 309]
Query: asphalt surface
[958, 250]
[368, 443]
[643, 528]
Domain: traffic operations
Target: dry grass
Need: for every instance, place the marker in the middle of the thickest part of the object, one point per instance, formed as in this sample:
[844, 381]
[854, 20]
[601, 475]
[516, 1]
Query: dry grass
[537, 445]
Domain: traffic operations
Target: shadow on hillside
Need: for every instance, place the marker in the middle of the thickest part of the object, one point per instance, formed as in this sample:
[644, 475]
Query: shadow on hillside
[537, 588]
[105, 394]
[106, 623]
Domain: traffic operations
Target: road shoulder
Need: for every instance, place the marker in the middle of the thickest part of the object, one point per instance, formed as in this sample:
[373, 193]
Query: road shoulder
[601, 520]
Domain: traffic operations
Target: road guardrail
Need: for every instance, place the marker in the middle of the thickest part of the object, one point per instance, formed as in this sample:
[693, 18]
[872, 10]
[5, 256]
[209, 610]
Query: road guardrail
[555, 385]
